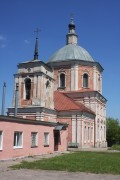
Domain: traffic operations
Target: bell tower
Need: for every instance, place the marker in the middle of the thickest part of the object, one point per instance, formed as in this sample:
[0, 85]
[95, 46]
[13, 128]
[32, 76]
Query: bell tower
[35, 89]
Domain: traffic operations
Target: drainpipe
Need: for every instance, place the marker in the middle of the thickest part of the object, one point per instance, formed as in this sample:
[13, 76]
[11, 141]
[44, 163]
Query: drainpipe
[3, 99]
[76, 129]
[16, 99]
[94, 132]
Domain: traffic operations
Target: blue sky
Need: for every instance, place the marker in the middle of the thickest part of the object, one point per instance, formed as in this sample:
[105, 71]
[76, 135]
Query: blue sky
[97, 25]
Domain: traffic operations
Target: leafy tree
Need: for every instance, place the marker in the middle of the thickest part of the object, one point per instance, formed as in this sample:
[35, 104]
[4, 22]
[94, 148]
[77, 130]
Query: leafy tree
[113, 131]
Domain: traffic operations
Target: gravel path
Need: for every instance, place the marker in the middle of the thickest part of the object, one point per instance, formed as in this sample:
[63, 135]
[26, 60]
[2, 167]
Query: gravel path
[24, 174]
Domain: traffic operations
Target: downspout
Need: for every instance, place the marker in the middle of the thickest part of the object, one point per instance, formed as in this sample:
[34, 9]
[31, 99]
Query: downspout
[94, 132]
[3, 99]
[16, 99]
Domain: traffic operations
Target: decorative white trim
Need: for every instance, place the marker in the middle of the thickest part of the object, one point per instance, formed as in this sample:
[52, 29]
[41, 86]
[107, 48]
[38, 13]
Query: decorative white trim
[72, 77]
[78, 130]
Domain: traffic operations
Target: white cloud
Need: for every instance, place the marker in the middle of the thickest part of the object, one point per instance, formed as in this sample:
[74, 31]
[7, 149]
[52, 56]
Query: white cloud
[2, 38]
[26, 41]
[3, 45]
[2, 41]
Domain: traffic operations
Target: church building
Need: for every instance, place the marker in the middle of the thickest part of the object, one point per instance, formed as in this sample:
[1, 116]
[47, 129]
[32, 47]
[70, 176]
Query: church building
[64, 92]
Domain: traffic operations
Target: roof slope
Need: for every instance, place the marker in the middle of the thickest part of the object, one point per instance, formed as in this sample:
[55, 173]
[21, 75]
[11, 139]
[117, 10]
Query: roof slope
[64, 103]
[70, 52]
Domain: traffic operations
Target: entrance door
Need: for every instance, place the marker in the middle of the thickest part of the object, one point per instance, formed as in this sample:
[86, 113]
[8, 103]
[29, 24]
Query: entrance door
[56, 139]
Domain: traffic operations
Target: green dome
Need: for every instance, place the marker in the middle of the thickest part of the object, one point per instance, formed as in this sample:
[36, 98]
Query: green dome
[70, 52]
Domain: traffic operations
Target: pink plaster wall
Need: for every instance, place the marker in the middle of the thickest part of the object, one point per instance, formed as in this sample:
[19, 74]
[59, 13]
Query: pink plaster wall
[9, 151]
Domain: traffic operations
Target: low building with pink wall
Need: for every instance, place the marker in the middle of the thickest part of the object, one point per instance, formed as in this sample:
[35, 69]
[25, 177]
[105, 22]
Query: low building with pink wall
[21, 137]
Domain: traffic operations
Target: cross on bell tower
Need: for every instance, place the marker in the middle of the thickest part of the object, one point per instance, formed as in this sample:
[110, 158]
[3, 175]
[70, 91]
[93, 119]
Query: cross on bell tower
[36, 45]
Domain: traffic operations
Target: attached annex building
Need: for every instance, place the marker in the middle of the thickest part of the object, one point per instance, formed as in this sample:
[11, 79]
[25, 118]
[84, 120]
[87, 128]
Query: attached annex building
[65, 89]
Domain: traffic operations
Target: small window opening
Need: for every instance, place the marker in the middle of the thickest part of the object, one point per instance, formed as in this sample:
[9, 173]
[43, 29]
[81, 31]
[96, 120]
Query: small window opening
[47, 84]
[62, 80]
[85, 81]
[28, 88]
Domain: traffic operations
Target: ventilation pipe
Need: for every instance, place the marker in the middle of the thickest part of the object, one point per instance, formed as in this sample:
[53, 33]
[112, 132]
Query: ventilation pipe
[16, 99]
[3, 99]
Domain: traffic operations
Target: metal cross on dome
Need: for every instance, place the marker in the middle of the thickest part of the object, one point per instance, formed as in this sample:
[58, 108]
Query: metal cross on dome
[37, 31]
[71, 17]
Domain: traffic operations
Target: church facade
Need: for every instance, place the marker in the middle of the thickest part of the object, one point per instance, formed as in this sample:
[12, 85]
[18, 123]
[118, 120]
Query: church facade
[67, 89]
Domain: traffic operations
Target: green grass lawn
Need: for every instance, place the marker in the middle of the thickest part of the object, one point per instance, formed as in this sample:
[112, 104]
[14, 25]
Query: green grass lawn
[94, 162]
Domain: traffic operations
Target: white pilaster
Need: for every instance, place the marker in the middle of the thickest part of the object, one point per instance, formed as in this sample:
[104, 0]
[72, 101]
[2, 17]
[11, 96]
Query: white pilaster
[74, 128]
[94, 77]
[76, 77]
[101, 83]
[78, 129]
[35, 86]
[39, 83]
[72, 78]
[82, 134]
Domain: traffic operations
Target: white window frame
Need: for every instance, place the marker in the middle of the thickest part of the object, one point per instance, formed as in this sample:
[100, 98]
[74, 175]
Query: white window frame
[34, 137]
[1, 140]
[46, 141]
[17, 143]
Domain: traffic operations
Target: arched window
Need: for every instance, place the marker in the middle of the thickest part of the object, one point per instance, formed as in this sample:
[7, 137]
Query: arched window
[85, 80]
[27, 88]
[62, 80]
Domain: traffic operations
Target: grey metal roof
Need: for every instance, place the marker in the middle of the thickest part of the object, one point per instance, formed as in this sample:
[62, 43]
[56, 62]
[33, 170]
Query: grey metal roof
[70, 52]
